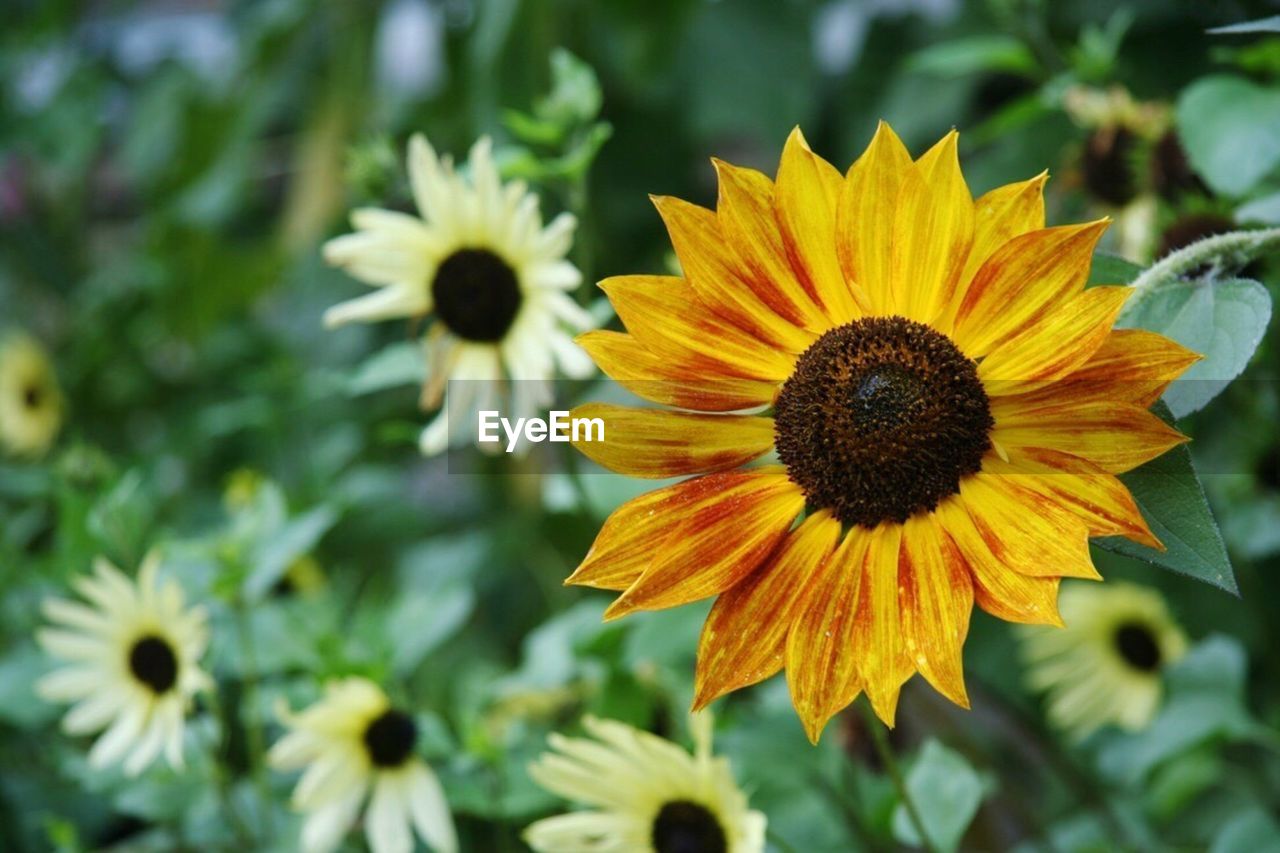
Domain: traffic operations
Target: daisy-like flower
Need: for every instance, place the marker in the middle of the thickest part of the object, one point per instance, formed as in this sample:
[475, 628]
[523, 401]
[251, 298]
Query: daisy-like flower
[133, 656]
[649, 795]
[948, 404]
[479, 260]
[354, 743]
[30, 400]
[1105, 667]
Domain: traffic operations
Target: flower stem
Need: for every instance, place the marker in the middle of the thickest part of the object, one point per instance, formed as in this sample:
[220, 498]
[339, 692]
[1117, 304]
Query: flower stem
[1234, 249]
[880, 738]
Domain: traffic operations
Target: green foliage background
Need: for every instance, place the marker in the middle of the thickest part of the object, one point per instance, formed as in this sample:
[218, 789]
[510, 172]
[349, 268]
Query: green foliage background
[167, 173]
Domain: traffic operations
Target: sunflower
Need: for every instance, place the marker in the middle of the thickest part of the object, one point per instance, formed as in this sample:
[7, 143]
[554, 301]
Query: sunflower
[480, 261]
[30, 400]
[134, 664]
[651, 795]
[1105, 667]
[948, 405]
[354, 742]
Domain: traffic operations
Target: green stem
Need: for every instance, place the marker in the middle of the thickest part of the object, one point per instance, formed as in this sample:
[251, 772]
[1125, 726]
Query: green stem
[880, 737]
[1236, 248]
[255, 732]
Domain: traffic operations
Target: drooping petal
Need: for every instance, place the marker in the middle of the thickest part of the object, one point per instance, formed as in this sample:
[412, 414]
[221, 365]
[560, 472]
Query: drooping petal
[1024, 280]
[656, 443]
[937, 598]
[865, 216]
[877, 642]
[716, 542]
[745, 637]
[1116, 436]
[822, 664]
[804, 204]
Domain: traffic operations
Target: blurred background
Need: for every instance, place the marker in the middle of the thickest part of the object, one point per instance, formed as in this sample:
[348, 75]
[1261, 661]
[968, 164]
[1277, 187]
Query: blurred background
[168, 171]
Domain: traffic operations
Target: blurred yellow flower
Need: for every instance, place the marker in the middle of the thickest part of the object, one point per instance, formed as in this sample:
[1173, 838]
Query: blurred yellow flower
[30, 400]
[1104, 666]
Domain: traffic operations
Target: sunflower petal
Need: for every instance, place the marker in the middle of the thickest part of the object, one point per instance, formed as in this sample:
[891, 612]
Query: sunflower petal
[1116, 436]
[864, 220]
[717, 541]
[877, 642]
[644, 373]
[745, 637]
[937, 598]
[1056, 345]
[1132, 366]
[1021, 282]
[804, 204]
[1002, 214]
[1028, 532]
[822, 667]
[655, 443]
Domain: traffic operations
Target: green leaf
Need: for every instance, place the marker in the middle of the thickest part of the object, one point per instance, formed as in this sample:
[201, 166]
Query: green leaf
[402, 363]
[272, 558]
[1265, 210]
[1250, 831]
[1110, 269]
[1223, 320]
[1169, 494]
[1230, 128]
[946, 791]
[1260, 25]
[974, 54]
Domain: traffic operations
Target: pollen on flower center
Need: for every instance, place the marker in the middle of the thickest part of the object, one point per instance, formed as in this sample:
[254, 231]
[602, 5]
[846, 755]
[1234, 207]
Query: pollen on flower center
[1138, 647]
[152, 661]
[390, 738]
[683, 826]
[476, 295]
[881, 419]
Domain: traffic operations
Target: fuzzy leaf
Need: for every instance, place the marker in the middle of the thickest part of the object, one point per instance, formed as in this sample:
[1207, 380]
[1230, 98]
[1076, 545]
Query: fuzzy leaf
[1231, 130]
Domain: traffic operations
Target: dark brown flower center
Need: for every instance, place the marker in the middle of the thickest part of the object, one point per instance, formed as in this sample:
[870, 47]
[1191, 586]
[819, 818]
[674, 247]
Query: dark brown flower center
[31, 397]
[476, 294]
[390, 738]
[683, 826]
[152, 661]
[1137, 645]
[1108, 167]
[881, 419]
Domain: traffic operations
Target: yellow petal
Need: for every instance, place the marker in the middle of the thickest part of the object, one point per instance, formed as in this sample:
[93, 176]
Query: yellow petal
[932, 233]
[1055, 346]
[744, 640]
[745, 211]
[804, 203]
[1132, 366]
[1116, 436]
[717, 542]
[877, 633]
[822, 671]
[707, 258]
[865, 217]
[655, 443]
[937, 598]
[1002, 214]
[1021, 282]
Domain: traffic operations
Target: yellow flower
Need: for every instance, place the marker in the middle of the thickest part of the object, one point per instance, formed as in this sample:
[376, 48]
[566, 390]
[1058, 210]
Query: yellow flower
[354, 743]
[1104, 667]
[30, 400]
[650, 795]
[948, 404]
[134, 664]
[480, 261]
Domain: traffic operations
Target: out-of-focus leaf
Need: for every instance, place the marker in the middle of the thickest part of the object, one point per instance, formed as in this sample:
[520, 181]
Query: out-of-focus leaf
[1169, 494]
[1230, 128]
[273, 556]
[420, 621]
[19, 705]
[946, 791]
[1251, 831]
[973, 54]
[1260, 25]
[402, 363]
[1265, 210]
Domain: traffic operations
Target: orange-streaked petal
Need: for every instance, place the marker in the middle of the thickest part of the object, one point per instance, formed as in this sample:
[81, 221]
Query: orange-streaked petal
[716, 542]
[1055, 346]
[877, 642]
[1116, 436]
[1096, 497]
[744, 640]
[642, 372]
[709, 264]
[1024, 280]
[998, 589]
[1002, 214]
[864, 220]
[668, 318]
[937, 598]
[933, 230]
[822, 669]
[1027, 531]
[745, 211]
[1132, 366]
[804, 204]
[655, 443]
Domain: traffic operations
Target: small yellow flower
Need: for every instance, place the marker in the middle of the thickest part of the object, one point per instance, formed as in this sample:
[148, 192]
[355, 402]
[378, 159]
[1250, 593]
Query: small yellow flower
[1104, 666]
[30, 400]
[134, 664]
[650, 795]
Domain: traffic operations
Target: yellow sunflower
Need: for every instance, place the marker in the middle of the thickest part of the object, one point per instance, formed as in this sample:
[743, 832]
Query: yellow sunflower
[948, 405]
